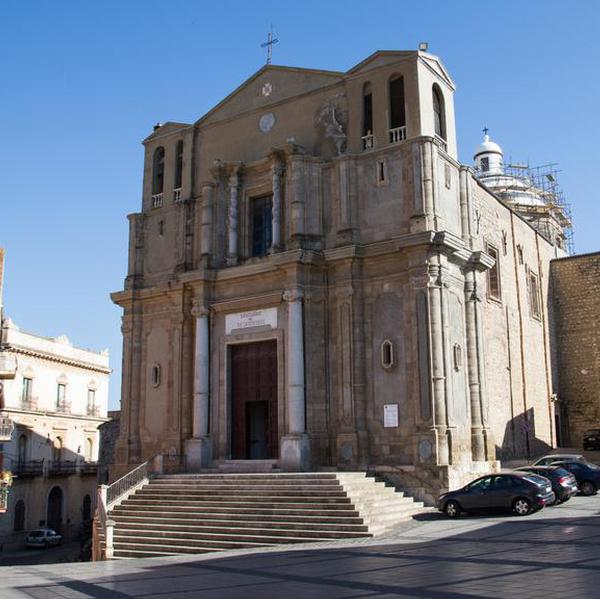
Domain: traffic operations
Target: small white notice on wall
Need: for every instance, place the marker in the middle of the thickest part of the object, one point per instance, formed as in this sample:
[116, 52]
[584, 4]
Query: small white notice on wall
[252, 318]
[390, 415]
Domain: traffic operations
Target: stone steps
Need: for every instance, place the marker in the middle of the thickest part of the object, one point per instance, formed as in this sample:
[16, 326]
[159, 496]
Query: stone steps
[198, 513]
[290, 522]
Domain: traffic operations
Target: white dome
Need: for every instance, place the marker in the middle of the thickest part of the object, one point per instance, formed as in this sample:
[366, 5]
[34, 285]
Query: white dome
[487, 147]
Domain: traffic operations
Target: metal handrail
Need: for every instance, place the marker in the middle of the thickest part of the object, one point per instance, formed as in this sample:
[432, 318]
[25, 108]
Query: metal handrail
[125, 484]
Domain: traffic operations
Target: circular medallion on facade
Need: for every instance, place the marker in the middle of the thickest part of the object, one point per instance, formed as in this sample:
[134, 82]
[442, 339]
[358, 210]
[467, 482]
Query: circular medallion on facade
[266, 122]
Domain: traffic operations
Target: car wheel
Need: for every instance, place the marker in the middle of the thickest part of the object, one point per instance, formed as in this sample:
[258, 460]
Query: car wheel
[522, 506]
[565, 499]
[588, 488]
[452, 509]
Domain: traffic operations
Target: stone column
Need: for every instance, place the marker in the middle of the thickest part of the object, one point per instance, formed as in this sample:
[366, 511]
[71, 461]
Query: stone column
[297, 205]
[198, 448]
[232, 239]
[438, 372]
[206, 235]
[295, 449]
[277, 172]
[478, 444]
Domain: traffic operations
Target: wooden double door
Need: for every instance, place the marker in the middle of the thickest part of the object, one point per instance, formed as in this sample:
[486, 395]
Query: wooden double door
[254, 424]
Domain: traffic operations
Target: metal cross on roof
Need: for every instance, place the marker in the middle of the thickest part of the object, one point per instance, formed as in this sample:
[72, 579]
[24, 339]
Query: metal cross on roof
[485, 130]
[269, 45]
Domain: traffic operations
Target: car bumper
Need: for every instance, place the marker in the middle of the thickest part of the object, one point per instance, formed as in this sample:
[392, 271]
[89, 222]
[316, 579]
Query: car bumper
[544, 499]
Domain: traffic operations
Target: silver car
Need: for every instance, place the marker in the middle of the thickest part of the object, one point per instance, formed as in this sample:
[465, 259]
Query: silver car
[42, 537]
[549, 459]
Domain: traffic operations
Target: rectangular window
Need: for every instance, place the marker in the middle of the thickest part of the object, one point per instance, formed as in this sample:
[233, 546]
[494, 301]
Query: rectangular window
[91, 398]
[534, 295]
[61, 393]
[26, 392]
[261, 225]
[381, 176]
[485, 164]
[494, 274]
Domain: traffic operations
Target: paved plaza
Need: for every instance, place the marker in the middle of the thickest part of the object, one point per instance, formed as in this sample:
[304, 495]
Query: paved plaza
[554, 553]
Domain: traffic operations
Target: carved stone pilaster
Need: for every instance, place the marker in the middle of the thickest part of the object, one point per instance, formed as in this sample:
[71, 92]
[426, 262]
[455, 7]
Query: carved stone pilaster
[206, 235]
[295, 445]
[232, 218]
[277, 171]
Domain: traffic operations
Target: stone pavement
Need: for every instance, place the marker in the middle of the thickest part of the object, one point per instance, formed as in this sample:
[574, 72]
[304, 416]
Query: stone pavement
[554, 553]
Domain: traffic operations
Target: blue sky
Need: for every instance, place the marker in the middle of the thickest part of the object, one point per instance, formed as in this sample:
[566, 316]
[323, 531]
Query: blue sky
[82, 83]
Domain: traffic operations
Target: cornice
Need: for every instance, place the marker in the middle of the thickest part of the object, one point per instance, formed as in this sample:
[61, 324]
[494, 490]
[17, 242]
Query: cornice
[34, 353]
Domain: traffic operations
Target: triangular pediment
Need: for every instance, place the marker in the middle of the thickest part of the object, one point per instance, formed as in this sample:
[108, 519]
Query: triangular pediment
[268, 86]
[166, 129]
[381, 58]
[434, 63]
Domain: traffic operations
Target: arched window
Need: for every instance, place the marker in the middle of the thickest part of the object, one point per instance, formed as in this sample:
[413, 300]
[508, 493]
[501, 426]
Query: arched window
[155, 375]
[158, 170]
[22, 455]
[19, 522]
[367, 118]
[397, 109]
[57, 449]
[178, 164]
[439, 118]
[89, 449]
[387, 354]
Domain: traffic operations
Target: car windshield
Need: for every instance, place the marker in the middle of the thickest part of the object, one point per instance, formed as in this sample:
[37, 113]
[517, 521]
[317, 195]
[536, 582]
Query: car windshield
[538, 480]
[562, 472]
[36, 533]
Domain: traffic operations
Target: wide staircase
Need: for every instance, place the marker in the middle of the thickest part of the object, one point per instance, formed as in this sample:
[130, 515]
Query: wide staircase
[199, 513]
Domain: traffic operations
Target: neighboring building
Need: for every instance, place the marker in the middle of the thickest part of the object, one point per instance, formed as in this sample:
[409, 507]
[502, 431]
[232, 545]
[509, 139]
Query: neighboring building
[315, 279]
[56, 396]
[109, 433]
[576, 293]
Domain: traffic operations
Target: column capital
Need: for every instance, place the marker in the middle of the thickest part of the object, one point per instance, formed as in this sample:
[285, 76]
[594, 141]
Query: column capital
[293, 295]
[209, 185]
[277, 168]
[199, 309]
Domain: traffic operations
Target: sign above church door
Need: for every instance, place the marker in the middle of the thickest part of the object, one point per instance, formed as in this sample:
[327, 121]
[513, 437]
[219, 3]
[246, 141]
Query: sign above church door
[252, 318]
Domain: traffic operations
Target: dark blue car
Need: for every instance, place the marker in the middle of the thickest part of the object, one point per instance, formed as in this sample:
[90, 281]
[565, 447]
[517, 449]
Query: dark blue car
[587, 475]
[519, 492]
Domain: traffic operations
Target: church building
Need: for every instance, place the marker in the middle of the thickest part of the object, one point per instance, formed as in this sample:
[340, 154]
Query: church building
[315, 281]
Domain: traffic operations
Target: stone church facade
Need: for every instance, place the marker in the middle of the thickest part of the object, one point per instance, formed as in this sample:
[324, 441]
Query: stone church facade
[315, 279]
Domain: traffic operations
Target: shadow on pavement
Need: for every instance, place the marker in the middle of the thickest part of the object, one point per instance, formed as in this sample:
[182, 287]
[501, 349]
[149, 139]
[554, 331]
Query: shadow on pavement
[526, 557]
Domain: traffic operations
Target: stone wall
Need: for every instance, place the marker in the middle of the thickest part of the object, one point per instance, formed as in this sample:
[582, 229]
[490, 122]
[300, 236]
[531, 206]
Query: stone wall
[576, 293]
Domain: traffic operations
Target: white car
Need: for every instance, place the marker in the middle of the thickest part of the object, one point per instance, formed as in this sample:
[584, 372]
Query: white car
[42, 537]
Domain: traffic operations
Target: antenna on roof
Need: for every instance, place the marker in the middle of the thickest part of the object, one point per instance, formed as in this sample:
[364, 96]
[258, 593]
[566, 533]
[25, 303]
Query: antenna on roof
[269, 45]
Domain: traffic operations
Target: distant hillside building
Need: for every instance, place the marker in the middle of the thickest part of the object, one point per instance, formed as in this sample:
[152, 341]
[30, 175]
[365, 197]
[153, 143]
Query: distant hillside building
[55, 396]
[314, 279]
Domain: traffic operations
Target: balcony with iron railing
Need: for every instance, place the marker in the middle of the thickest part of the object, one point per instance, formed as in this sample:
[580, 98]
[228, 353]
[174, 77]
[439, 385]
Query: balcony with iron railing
[93, 410]
[397, 134]
[61, 468]
[157, 200]
[63, 406]
[28, 468]
[29, 402]
[88, 468]
[6, 428]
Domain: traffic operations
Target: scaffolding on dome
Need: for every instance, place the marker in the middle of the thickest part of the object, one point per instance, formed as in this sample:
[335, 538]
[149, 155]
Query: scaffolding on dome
[541, 182]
